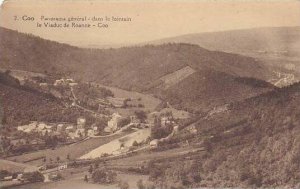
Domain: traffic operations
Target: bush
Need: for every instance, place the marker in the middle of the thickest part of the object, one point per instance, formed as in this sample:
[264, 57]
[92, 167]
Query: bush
[4, 173]
[123, 185]
[103, 176]
[34, 177]
[140, 184]
[135, 143]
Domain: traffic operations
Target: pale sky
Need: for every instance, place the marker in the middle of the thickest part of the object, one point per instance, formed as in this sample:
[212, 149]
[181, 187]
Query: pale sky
[150, 19]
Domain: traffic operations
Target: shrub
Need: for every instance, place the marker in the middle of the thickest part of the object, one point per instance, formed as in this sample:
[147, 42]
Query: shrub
[135, 143]
[104, 176]
[123, 185]
[140, 184]
[34, 177]
[141, 105]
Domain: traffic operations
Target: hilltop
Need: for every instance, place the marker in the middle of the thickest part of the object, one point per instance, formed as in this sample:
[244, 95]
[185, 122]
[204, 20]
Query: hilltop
[277, 48]
[285, 40]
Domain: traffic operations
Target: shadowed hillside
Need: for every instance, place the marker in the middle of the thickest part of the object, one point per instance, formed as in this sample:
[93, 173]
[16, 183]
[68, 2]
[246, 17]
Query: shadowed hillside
[22, 104]
[254, 143]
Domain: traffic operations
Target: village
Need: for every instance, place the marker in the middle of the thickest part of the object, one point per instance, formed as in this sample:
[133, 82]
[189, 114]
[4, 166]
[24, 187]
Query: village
[125, 118]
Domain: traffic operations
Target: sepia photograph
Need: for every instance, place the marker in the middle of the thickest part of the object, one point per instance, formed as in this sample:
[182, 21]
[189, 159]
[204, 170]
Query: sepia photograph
[151, 94]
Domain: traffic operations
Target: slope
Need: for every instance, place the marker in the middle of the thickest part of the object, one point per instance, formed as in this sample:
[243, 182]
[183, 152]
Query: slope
[139, 69]
[22, 105]
[254, 143]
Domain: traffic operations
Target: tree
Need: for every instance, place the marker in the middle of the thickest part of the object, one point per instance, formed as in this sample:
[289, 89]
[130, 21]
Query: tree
[124, 121]
[135, 143]
[97, 165]
[91, 169]
[34, 177]
[103, 176]
[141, 115]
[4, 173]
[86, 178]
[140, 184]
[7, 72]
[123, 185]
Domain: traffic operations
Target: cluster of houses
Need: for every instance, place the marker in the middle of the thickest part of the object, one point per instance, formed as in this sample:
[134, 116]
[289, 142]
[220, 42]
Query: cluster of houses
[73, 131]
[60, 82]
[65, 82]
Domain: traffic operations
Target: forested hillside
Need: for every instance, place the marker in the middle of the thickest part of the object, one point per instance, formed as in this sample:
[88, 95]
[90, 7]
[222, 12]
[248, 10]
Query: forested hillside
[254, 143]
[141, 68]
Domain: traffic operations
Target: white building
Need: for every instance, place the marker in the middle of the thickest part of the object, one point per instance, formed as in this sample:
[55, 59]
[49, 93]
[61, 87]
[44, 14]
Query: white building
[154, 143]
[90, 132]
[113, 124]
[70, 129]
[81, 123]
[61, 127]
[28, 128]
[79, 133]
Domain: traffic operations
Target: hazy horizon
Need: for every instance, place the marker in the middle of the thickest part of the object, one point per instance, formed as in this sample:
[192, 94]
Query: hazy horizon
[151, 20]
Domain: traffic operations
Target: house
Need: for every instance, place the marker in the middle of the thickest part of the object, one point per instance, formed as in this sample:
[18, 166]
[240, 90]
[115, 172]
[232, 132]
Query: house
[49, 127]
[81, 123]
[44, 128]
[135, 120]
[43, 84]
[20, 176]
[69, 80]
[191, 129]
[8, 178]
[28, 128]
[90, 132]
[95, 130]
[73, 84]
[166, 120]
[62, 81]
[72, 135]
[45, 131]
[154, 143]
[70, 129]
[79, 133]
[113, 124]
[59, 82]
[61, 127]
[63, 166]
[41, 126]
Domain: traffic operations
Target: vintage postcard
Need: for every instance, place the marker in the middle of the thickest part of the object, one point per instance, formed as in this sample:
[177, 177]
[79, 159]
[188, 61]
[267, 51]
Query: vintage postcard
[149, 94]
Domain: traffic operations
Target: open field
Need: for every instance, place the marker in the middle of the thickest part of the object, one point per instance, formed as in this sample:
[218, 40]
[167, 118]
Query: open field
[74, 150]
[15, 167]
[147, 100]
[177, 76]
[113, 147]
